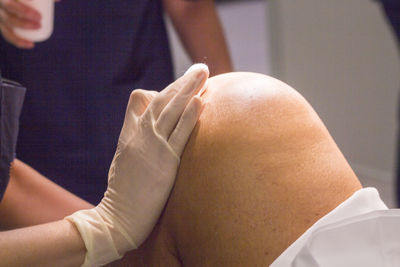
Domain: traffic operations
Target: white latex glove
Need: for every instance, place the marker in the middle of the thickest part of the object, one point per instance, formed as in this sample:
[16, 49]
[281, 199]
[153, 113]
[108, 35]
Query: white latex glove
[142, 173]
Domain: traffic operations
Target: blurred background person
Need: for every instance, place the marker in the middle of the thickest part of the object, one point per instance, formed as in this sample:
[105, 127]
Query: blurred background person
[78, 80]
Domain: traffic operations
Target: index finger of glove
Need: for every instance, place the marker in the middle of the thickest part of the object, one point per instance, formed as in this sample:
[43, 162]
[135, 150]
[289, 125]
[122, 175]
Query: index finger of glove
[188, 82]
[20, 10]
[170, 115]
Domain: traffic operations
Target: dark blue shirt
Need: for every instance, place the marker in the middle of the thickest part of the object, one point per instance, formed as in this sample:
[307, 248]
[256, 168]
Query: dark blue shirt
[392, 10]
[78, 84]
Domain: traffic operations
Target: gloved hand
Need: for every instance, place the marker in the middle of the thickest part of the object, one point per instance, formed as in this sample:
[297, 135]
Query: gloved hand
[142, 173]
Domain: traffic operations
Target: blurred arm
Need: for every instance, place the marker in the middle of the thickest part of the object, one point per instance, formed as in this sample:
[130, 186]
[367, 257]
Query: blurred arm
[200, 31]
[32, 199]
[53, 244]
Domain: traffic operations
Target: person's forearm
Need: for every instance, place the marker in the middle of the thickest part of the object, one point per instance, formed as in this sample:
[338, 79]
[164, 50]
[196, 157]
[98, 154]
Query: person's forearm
[52, 244]
[200, 31]
[32, 199]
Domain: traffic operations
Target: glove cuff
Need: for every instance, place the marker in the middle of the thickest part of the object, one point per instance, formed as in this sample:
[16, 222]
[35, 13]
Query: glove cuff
[100, 246]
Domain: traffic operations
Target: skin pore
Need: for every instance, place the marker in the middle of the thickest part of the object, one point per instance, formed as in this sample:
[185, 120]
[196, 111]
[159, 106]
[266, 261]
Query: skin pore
[259, 169]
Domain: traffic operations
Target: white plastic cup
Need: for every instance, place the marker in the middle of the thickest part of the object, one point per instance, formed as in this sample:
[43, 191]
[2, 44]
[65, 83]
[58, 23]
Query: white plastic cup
[46, 9]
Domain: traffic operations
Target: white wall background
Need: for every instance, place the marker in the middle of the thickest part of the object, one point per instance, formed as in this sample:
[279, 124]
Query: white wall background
[340, 55]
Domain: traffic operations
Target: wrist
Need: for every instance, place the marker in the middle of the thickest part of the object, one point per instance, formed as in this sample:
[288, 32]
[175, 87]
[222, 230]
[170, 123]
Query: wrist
[97, 234]
[121, 238]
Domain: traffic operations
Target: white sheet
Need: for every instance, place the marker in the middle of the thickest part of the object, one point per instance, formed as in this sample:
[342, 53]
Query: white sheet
[361, 202]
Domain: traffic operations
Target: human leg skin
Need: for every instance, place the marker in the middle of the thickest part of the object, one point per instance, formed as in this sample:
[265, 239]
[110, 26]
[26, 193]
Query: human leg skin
[259, 170]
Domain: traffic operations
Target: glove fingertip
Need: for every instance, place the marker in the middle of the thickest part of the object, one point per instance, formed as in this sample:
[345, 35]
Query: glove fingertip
[197, 66]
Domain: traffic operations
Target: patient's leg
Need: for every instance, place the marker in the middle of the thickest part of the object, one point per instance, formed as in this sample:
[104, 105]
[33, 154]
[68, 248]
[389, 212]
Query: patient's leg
[260, 168]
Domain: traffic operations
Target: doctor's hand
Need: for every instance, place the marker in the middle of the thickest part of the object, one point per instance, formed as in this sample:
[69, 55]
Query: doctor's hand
[142, 173]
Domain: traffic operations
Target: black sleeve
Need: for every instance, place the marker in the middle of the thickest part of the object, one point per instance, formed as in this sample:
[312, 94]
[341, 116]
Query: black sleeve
[11, 99]
[392, 11]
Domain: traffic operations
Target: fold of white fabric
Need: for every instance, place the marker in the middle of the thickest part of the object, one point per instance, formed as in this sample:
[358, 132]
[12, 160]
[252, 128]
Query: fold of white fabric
[361, 202]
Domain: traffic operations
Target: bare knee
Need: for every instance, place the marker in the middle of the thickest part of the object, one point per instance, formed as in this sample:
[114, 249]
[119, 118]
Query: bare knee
[259, 169]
